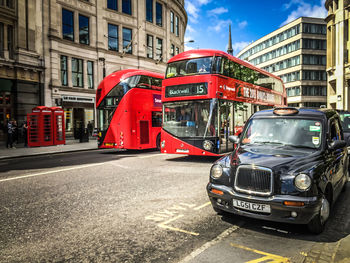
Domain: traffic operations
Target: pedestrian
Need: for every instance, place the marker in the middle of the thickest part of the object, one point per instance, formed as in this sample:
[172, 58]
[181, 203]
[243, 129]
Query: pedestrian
[25, 134]
[15, 132]
[90, 128]
[9, 141]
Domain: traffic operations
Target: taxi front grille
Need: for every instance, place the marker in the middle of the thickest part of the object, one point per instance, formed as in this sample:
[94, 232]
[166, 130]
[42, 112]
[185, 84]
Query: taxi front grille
[254, 180]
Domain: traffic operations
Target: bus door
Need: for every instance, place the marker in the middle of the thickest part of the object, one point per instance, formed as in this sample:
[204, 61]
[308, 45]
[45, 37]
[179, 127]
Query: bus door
[226, 125]
[143, 128]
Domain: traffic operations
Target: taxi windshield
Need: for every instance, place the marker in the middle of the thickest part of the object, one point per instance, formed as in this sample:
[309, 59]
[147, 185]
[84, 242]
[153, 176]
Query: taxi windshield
[345, 120]
[298, 133]
[189, 67]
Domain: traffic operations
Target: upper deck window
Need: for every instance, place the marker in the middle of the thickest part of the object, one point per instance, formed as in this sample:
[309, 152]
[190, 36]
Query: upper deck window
[189, 67]
[223, 66]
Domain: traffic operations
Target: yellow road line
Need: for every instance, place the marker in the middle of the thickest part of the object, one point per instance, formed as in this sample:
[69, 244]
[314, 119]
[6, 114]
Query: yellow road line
[267, 256]
[164, 225]
[201, 206]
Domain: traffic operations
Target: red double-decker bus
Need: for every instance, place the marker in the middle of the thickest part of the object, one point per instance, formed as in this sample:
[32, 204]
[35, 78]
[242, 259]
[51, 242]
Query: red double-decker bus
[208, 95]
[129, 110]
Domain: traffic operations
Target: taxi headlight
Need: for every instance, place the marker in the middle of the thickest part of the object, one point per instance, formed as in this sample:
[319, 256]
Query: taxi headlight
[216, 171]
[302, 182]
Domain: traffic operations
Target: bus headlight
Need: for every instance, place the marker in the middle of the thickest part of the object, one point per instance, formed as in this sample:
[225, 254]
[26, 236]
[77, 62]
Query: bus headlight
[216, 171]
[162, 144]
[207, 145]
[302, 182]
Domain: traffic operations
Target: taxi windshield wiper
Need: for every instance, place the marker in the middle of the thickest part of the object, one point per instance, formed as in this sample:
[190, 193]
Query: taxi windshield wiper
[268, 142]
[300, 146]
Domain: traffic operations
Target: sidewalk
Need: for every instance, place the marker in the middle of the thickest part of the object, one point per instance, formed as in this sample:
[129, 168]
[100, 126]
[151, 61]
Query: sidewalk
[70, 146]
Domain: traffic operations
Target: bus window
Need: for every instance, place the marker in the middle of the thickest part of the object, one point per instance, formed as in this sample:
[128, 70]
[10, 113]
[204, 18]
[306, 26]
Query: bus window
[156, 119]
[226, 124]
[243, 111]
[144, 82]
[236, 71]
[157, 82]
[217, 65]
[226, 67]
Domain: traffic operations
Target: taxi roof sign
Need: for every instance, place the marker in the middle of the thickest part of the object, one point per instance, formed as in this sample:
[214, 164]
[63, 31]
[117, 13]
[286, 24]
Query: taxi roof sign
[285, 111]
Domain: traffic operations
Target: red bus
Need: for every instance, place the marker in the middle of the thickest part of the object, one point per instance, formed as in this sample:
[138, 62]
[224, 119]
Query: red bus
[129, 110]
[208, 95]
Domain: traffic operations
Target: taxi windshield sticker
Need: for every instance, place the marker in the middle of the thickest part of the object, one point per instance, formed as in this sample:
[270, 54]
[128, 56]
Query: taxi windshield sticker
[315, 140]
[317, 124]
[315, 128]
[346, 115]
[348, 125]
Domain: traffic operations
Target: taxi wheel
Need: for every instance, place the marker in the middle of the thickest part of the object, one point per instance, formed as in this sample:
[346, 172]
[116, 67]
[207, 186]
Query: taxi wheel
[346, 181]
[317, 224]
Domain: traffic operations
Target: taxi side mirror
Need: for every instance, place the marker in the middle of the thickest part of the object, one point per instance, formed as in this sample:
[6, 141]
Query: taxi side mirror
[233, 139]
[337, 145]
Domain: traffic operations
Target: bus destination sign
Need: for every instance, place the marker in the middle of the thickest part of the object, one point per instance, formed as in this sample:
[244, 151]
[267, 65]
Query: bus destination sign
[195, 89]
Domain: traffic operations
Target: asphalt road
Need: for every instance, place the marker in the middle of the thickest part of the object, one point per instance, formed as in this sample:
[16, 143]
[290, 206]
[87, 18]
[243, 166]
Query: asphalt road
[108, 206]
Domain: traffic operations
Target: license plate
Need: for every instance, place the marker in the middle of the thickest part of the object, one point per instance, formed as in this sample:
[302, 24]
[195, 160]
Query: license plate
[182, 150]
[252, 206]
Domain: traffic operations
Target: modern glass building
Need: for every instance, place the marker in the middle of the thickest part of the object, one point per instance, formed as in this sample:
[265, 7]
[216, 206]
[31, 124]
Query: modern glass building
[296, 53]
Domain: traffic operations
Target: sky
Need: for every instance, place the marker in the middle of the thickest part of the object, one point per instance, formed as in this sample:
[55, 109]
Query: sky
[208, 20]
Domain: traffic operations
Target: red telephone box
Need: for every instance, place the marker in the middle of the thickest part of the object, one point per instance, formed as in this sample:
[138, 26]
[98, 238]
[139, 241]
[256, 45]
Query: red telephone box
[40, 127]
[59, 136]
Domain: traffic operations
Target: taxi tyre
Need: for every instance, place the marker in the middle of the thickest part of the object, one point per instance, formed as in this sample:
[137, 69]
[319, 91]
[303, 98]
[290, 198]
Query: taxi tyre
[317, 224]
[346, 182]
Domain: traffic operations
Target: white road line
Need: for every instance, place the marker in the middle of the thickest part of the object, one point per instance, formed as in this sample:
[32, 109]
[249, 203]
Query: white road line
[148, 156]
[51, 172]
[207, 245]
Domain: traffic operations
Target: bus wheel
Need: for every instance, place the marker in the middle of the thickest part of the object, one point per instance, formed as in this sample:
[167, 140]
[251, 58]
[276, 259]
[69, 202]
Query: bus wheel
[158, 142]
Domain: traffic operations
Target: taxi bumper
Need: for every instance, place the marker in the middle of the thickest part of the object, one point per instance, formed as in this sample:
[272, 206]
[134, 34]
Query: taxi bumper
[279, 212]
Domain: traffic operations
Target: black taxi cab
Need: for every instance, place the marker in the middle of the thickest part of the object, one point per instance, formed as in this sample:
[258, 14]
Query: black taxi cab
[289, 165]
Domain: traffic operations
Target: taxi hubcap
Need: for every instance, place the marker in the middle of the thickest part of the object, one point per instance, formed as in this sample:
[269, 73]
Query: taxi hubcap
[324, 213]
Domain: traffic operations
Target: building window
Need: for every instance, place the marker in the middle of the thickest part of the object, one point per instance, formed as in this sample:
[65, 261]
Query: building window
[314, 29]
[159, 14]
[9, 3]
[313, 104]
[127, 40]
[1, 40]
[177, 50]
[159, 49]
[113, 37]
[314, 60]
[90, 74]
[314, 90]
[112, 4]
[10, 43]
[171, 22]
[293, 76]
[294, 91]
[126, 7]
[172, 50]
[176, 25]
[84, 30]
[149, 10]
[314, 75]
[77, 72]
[67, 25]
[149, 46]
[315, 44]
[64, 71]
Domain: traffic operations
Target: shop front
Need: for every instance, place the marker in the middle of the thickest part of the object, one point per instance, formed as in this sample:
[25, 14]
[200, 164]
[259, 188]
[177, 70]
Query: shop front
[79, 114]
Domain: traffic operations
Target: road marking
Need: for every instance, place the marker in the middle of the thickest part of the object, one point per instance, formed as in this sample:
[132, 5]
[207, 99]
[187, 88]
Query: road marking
[164, 225]
[209, 244]
[201, 206]
[51, 172]
[267, 256]
[148, 156]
